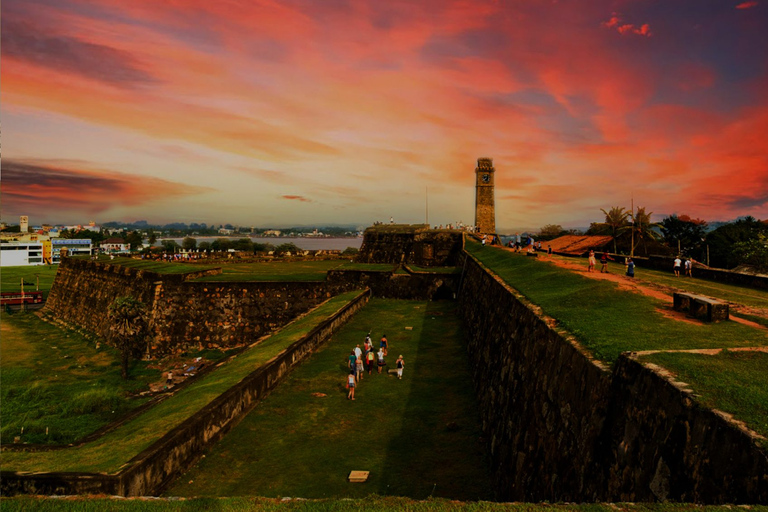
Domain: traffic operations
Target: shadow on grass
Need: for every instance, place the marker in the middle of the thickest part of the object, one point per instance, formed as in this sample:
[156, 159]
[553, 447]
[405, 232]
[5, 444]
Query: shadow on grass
[438, 451]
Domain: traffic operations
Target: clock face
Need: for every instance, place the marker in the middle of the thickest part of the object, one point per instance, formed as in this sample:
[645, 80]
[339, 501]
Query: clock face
[486, 178]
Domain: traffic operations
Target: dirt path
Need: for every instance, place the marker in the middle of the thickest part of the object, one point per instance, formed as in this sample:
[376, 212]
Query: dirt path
[652, 290]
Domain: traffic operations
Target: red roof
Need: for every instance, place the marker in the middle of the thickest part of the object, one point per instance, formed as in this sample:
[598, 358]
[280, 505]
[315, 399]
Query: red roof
[578, 245]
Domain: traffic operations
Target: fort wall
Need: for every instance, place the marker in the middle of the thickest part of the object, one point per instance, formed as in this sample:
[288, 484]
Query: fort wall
[410, 244]
[151, 470]
[561, 426]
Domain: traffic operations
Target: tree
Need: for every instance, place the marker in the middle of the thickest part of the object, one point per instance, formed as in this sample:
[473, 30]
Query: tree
[551, 231]
[128, 329]
[135, 239]
[287, 247]
[643, 228]
[189, 243]
[152, 237]
[753, 252]
[683, 233]
[170, 246]
[204, 246]
[616, 222]
[722, 240]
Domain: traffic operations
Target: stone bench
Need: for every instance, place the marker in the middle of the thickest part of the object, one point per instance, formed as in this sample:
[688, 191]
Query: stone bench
[700, 307]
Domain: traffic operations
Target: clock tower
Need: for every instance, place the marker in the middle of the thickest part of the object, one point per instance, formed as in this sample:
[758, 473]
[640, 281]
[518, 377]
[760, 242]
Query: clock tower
[485, 209]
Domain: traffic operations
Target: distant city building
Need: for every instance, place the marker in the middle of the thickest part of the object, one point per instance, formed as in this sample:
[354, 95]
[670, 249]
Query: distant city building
[272, 232]
[225, 231]
[23, 224]
[75, 247]
[14, 254]
[115, 245]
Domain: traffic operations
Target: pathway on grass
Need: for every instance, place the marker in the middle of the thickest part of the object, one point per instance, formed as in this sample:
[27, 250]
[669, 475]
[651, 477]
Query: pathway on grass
[418, 436]
[650, 290]
[110, 452]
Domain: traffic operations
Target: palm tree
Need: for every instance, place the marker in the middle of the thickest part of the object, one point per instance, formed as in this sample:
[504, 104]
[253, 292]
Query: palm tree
[643, 228]
[615, 222]
[128, 328]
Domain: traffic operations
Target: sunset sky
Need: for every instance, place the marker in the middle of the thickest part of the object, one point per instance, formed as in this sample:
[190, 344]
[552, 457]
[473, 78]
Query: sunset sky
[266, 113]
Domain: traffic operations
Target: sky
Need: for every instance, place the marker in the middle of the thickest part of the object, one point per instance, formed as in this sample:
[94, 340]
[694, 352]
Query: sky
[305, 112]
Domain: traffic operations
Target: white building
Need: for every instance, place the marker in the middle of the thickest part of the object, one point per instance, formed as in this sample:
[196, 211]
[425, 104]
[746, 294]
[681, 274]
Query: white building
[15, 254]
[75, 247]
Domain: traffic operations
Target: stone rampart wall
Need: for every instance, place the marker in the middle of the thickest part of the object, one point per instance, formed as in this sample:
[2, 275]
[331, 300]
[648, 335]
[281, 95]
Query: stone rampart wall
[84, 289]
[150, 471]
[417, 286]
[416, 245]
[561, 427]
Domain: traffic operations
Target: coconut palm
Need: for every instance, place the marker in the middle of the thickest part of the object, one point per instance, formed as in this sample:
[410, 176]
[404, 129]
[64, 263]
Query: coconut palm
[128, 329]
[642, 228]
[616, 221]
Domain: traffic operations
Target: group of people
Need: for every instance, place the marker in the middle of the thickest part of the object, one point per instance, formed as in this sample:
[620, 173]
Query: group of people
[362, 360]
[629, 265]
[678, 264]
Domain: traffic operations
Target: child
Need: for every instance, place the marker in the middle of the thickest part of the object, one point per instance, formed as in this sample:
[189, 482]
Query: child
[400, 366]
[351, 386]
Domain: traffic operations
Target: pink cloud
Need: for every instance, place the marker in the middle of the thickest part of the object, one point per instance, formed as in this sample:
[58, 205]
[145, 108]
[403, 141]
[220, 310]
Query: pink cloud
[297, 198]
[747, 5]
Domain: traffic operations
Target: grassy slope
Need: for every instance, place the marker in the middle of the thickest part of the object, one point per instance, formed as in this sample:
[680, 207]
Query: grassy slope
[112, 450]
[297, 444]
[606, 320]
[734, 382]
[621, 320]
[160, 267]
[370, 503]
[10, 278]
[723, 291]
[56, 379]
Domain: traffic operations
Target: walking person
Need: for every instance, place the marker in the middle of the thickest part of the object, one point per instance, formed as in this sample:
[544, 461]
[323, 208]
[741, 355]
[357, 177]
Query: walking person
[352, 363]
[370, 359]
[400, 366]
[351, 386]
[689, 267]
[384, 344]
[381, 361]
[359, 368]
[676, 267]
[604, 263]
[592, 261]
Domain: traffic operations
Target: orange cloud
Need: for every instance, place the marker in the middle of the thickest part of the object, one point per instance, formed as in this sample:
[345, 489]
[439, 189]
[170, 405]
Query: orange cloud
[44, 187]
[298, 198]
[615, 21]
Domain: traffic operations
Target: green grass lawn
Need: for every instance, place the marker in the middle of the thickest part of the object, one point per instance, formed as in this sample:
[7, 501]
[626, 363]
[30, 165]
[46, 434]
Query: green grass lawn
[605, 319]
[56, 379]
[723, 291]
[435, 270]
[109, 452]
[734, 382]
[42, 275]
[368, 504]
[418, 436]
[308, 270]
[161, 267]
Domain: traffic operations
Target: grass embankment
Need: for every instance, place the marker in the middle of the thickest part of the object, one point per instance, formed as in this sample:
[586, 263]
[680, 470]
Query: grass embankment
[435, 270]
[55, 379]
[42, 275]
[729, 381]
[370, 503]
[723, 291]
[109, 452]
[161, 267]
[608, 321]
[418, 436]
[289, 270]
